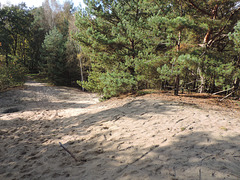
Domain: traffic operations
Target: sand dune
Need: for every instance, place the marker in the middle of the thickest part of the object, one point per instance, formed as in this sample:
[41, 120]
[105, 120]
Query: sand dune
[145, 137]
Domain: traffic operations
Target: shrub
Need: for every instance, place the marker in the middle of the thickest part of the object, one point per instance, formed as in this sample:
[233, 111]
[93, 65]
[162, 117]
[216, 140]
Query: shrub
[11, 75]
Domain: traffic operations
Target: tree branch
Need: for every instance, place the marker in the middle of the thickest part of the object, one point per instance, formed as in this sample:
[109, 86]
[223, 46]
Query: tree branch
[227, 96]
[223, 28]
[198, 8]
[223, 91]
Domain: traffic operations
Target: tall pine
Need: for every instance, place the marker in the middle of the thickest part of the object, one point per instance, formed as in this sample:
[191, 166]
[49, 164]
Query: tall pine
[120, 42]
[53, 55]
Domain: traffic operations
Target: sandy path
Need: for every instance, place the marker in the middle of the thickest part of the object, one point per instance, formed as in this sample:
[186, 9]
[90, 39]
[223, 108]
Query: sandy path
[131, 138]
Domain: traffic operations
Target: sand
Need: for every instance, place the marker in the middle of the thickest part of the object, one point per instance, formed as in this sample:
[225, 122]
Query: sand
[145, 137]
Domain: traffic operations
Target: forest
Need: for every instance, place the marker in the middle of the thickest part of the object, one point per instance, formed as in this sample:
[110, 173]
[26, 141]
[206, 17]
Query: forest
[116, 47]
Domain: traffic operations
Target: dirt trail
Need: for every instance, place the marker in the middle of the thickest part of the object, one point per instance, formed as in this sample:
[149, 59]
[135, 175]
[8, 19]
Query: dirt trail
[131, 138]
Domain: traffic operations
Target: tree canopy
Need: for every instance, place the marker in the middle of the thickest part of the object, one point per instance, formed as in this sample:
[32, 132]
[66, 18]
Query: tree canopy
[137, 44]
[39, 40]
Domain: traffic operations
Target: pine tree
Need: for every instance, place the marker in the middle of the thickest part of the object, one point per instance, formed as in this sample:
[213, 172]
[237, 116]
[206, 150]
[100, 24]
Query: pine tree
[120, 43]
[152, 44]
[235, 37]
[53, 54]
[14, 27]
[214, 20]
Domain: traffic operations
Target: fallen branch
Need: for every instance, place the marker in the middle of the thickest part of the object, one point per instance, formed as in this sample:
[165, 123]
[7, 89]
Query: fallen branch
[223, 91]
[227, 95]
[68, 152]
[180, 120]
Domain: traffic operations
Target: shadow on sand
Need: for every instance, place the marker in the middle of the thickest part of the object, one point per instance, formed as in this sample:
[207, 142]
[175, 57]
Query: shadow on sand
[30, 149]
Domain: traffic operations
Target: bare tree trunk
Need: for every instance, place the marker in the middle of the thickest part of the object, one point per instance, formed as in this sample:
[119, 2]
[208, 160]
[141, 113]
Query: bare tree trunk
[81, 69]
[236, 84]
[202, 86]
[179, 41]
[177, 78]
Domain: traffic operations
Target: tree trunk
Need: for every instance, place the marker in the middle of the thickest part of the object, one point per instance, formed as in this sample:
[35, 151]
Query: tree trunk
[6, 60]
[177, 78]
[202, 79]
[15, 45]
[236, 84]
[81, 70]
[179, 41]
[24, 53]
[213, 85]
[207, 36]
[131, 68]
[236, 87]
[194, 84]
[202, 86]
[176, 87]
[132, 44]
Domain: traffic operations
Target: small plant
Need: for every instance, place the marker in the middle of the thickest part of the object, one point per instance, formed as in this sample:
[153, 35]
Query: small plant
[183, 128]
[223, 128]
[238, 103]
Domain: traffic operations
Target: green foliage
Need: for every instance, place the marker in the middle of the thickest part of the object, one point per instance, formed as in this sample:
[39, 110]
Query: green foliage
[120, 41]
[235, 36]
[116, 83]
[30, 35]
[39, 77]
[164, 72]
[54, 51]
[94, 83]
[11, 75]
[53, 54]
[15, 32]
[151, 43]
[110, 84]
[72, 61]
[235, 66]
[126, 46]
[39, 29]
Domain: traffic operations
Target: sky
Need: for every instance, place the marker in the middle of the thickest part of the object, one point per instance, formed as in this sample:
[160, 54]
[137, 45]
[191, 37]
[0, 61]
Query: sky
[37, 3]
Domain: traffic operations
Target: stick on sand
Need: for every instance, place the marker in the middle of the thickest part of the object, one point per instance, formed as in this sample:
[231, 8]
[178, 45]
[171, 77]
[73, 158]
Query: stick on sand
[68, 152]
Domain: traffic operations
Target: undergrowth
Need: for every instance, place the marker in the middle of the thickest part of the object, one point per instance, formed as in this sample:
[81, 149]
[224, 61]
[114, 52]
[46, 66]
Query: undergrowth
[11, 76]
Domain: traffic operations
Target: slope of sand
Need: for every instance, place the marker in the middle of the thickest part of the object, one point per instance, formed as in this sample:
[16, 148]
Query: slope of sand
[138, 138]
